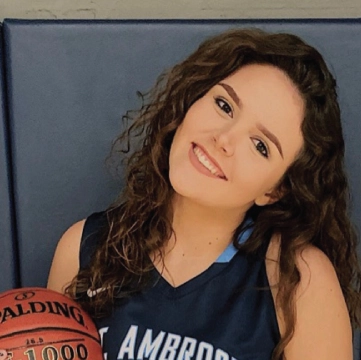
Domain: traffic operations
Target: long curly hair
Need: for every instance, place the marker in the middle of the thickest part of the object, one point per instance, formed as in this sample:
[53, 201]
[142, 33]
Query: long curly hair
[313, 209]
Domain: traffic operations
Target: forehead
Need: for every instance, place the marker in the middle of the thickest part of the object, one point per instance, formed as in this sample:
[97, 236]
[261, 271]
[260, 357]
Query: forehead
[269, 97]
[269, 82]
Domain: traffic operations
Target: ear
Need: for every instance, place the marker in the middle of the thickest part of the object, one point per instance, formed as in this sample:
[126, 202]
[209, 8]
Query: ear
[270, 197]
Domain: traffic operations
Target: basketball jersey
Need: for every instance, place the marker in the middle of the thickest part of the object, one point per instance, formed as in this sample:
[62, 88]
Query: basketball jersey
[217, 315]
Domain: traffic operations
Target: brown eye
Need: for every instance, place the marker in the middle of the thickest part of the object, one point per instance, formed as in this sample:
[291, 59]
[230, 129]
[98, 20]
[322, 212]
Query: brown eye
[224, 106]
[261, 148]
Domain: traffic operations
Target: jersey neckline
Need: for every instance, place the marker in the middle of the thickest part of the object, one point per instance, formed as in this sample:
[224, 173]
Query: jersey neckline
[220, 265]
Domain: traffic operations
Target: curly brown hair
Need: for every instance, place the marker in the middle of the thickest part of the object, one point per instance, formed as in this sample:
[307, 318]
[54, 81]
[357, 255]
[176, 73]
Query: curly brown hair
[312, 210]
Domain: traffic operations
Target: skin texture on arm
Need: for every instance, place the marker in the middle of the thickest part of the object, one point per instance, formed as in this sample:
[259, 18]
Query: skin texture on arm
[65, 263]
[323, 330]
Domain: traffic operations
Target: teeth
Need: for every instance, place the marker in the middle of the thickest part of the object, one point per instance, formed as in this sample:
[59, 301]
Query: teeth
[204, 161]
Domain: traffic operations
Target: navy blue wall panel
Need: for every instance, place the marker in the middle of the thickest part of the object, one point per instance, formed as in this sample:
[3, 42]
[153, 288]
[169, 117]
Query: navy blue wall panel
[8, 266]
[69, 82]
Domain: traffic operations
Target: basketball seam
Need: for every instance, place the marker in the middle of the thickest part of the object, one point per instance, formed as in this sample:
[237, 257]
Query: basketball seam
[47, 329]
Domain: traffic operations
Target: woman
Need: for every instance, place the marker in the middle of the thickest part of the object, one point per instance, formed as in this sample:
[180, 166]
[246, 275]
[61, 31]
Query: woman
[231, 239]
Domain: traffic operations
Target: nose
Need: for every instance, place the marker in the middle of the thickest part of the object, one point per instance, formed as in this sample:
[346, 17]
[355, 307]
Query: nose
[223, 140]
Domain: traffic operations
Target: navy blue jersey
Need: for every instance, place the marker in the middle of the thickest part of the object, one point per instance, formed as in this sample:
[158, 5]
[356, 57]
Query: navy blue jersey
[221, 314]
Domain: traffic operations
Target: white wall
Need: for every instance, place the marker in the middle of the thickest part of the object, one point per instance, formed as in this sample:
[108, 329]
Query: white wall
[178, 9]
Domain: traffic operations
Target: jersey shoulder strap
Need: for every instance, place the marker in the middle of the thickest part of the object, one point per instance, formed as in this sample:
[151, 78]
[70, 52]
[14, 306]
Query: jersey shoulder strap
[94, 230]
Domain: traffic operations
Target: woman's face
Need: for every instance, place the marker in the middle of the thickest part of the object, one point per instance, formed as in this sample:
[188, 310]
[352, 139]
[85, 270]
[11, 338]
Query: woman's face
[236, 142]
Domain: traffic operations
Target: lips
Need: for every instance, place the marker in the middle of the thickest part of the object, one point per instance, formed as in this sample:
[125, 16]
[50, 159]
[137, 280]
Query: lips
[207, 161]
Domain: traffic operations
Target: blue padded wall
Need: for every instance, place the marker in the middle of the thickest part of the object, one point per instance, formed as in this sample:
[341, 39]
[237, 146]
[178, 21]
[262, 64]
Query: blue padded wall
[8, 266]
[69, 82]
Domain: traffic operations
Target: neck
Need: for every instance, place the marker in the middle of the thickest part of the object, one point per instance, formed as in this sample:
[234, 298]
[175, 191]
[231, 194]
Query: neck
[200, 235]
[200, 229]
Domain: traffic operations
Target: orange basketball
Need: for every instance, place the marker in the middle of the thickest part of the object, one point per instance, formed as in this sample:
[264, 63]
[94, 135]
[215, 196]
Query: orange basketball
[41, 324]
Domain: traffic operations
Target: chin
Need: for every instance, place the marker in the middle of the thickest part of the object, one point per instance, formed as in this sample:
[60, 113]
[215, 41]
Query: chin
[188, 190]
[198, 188]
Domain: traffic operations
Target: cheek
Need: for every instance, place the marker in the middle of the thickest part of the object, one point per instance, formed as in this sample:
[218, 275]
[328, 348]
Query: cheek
[182, 133]
[254, 176]
[177, 156]
[187, 132]
[178, 144]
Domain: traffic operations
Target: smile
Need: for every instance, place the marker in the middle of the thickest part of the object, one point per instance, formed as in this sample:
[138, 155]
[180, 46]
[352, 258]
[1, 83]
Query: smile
[207, 162]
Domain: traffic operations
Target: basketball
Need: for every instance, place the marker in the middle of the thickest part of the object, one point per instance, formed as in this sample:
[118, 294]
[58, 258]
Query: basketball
[41, 324]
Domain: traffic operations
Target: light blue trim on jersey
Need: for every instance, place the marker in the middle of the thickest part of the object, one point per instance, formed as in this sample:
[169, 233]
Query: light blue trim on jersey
[231, 250]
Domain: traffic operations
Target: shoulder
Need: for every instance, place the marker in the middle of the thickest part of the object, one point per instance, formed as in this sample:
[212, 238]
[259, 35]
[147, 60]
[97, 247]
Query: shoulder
[65, 264]
[323, 329]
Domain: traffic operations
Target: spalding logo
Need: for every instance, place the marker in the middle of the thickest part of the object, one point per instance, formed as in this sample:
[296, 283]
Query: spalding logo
[39, 307]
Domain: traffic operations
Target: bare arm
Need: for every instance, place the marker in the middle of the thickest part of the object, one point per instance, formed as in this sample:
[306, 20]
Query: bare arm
[65, 263]
[323, 330]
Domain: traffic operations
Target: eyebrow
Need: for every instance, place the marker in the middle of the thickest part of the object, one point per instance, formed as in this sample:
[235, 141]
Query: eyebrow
[231, 93]
[270, 136]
